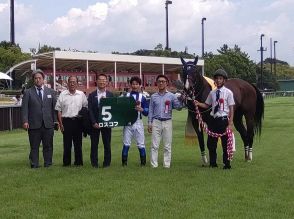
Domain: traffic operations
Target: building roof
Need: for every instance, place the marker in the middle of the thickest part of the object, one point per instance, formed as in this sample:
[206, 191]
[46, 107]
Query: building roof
[99, 62]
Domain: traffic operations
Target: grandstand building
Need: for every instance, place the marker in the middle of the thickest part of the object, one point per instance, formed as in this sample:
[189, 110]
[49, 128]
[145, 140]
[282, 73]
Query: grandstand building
[59, 65]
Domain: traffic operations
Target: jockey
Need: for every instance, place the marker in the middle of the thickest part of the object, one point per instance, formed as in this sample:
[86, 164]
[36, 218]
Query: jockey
[222, 102]
[135, 131]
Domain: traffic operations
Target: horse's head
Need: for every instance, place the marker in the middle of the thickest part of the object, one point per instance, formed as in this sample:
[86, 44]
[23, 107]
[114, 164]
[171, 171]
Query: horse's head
[191, 76]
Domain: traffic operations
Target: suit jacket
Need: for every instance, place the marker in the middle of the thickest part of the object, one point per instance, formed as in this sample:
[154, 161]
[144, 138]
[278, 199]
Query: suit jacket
[93, 106]
[36, 111]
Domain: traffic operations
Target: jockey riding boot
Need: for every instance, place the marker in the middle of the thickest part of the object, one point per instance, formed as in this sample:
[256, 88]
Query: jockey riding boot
[142, 156]
[124, 155]
[143, 160]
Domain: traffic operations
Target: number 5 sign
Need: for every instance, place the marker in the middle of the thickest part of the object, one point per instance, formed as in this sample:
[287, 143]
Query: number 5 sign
[117, 111]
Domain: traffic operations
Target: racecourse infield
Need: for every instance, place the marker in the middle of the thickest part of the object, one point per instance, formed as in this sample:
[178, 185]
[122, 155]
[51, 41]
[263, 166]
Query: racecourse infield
[262, 188]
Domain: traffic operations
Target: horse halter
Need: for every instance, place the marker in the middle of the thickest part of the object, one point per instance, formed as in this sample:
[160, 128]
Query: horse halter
[191, 91]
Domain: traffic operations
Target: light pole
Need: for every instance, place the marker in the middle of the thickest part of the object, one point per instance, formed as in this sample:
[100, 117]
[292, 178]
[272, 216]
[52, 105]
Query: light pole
[261, 61]
[202, 23]
[166, 9]
[275, 60]
[12, 35]
[271, 53]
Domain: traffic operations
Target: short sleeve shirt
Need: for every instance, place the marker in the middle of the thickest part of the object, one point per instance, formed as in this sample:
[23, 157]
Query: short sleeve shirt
[70, 104]
[226, 99]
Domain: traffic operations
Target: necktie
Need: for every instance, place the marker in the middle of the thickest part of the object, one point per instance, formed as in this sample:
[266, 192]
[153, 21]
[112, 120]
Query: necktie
[217, 106]
[40, 93]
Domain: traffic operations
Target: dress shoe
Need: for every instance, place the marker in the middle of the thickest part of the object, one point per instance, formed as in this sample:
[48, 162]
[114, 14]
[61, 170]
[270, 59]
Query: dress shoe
[227, 167]
[95, 165]
[213, 165]
[106, 165]
[78, 163]
[34, 166]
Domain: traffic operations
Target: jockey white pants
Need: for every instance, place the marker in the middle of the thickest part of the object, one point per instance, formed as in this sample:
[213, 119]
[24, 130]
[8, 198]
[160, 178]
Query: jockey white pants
[136, 132]
[161, 130]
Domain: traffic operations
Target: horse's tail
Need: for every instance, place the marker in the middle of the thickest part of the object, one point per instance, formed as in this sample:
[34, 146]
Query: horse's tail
[259, 112]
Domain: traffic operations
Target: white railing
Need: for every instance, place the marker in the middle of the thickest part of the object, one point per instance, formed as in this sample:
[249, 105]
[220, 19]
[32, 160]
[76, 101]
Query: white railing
[278, 94]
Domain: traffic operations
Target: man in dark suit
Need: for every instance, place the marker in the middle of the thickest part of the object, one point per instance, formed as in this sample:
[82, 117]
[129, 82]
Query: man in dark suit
[93, 106]
[38, 117]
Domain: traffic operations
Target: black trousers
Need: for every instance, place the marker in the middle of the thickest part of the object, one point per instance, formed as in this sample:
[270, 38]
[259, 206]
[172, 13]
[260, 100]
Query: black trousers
[218, 125]
[36, 136]
[106, 138]
[72, 135]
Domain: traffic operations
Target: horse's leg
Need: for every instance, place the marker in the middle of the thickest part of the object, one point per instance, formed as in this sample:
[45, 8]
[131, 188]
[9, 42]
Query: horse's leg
[242, 130]
[200, 137]
[250, 133]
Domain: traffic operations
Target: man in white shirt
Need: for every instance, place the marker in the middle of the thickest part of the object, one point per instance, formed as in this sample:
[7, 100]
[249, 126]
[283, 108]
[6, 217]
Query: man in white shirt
[68, 105]
[222, 102]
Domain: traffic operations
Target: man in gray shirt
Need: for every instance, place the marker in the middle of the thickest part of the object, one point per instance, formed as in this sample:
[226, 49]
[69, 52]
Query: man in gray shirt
[160, 121]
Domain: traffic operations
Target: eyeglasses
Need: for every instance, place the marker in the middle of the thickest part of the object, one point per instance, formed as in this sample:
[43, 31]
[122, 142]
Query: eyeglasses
[161, 81]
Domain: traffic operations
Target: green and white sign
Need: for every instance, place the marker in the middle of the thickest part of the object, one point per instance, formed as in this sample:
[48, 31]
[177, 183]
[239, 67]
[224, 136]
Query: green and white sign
[117, 111]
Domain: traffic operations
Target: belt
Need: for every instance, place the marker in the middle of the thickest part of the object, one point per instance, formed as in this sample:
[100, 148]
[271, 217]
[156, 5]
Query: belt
[70, 118]
[222, 117]
[163, 119]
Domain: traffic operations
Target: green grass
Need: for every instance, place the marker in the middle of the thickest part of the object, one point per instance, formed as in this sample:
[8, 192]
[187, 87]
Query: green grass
[262, 188]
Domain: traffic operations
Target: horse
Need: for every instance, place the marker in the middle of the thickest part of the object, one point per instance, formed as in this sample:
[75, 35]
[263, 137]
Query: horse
[248, 104]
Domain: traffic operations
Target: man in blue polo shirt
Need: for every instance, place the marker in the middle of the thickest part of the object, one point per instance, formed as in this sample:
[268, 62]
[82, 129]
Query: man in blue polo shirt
[160, 121]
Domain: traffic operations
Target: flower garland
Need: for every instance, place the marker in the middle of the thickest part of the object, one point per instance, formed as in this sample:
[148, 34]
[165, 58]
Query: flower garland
[228, 132]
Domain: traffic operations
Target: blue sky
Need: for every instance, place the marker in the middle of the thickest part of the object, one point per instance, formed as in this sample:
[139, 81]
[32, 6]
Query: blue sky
[128, 25]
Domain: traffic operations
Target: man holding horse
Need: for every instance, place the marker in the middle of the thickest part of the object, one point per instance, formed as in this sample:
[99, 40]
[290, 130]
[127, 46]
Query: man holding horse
[222, 102]
[160, 121]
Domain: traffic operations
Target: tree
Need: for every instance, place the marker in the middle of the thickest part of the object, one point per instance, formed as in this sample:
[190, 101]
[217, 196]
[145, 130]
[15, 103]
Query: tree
[159, 47]
[232, 60]
[46, 48]
[10, 55]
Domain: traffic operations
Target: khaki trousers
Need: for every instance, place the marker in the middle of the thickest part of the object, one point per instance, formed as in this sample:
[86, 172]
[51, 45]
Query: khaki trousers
[161, 130]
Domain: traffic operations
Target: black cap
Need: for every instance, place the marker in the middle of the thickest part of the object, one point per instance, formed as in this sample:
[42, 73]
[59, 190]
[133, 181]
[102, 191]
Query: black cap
[220, 72]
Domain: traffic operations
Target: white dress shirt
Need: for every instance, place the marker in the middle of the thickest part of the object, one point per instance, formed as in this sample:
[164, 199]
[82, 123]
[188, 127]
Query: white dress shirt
[226, 99]
[70, 104]
[100, 94]
[42, 91]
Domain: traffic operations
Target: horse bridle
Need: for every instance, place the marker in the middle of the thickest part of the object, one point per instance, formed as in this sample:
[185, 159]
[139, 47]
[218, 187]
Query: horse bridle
[189, 95]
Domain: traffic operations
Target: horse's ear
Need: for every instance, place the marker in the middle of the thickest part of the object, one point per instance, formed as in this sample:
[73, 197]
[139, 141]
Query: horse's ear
[182, 60]
[195, 60]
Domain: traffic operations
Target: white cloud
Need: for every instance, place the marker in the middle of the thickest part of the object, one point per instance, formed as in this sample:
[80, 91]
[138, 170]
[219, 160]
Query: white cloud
[77, 20]
[128, 25]
[3, 6]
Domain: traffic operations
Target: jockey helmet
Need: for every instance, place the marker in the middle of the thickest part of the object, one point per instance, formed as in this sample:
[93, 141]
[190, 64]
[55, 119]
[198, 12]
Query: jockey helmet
[220, 72]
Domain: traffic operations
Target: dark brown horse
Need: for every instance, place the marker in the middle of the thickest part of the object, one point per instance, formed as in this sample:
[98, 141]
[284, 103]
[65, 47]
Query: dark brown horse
[248, 103]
